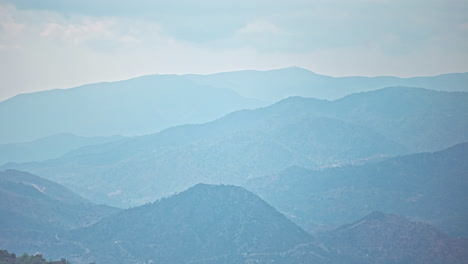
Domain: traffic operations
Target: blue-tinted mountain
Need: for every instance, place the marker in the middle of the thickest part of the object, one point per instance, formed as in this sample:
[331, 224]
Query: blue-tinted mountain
[429, 186]
[33, 210]
[133, 107]
[47, 148]
[246, 144]
[278, 84]
[204, 224]
[419, 119]
[151, 103]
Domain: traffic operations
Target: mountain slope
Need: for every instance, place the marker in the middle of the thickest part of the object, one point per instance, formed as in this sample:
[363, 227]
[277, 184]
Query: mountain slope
[428, 186]
[387, 238]
[33, 210]
[419, 119]
[47, 148]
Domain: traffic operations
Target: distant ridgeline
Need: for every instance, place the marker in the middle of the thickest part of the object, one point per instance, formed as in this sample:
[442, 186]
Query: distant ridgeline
[152, 103]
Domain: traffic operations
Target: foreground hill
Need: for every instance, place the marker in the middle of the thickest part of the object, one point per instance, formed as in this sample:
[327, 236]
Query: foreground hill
[247, 144]
[428, 186]
[204, 224]
[47, 148]
[228, 224]
[33, 210]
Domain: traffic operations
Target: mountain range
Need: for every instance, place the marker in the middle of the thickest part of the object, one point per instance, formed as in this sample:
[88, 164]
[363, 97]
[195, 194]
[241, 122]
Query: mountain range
[152, 103]
[283, 166]
[274, 85]
[247, 144]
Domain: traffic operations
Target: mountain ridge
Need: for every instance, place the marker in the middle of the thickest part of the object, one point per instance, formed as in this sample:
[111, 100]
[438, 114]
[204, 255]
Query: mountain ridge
[205, 97]
[48, 148]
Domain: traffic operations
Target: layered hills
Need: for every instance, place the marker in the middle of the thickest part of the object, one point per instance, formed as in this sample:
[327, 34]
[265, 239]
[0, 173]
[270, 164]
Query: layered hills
[396, 158]
[151, 103]
[297, 131]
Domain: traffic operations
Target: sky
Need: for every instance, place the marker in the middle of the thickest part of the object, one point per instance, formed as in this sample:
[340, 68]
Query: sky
[51, 44]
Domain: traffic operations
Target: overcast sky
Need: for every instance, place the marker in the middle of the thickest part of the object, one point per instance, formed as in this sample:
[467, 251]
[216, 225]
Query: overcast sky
[51, 44]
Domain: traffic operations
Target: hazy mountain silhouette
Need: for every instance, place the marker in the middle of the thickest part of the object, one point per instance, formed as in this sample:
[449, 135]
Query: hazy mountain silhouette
[278, 84]
[47, 148]
[151, 103]
[428, 186]
[137, 106]
[204, 224]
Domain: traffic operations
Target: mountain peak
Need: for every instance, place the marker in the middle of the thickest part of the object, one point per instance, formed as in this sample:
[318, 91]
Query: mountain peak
[376, 215]
[215, 187]
[205, 221]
